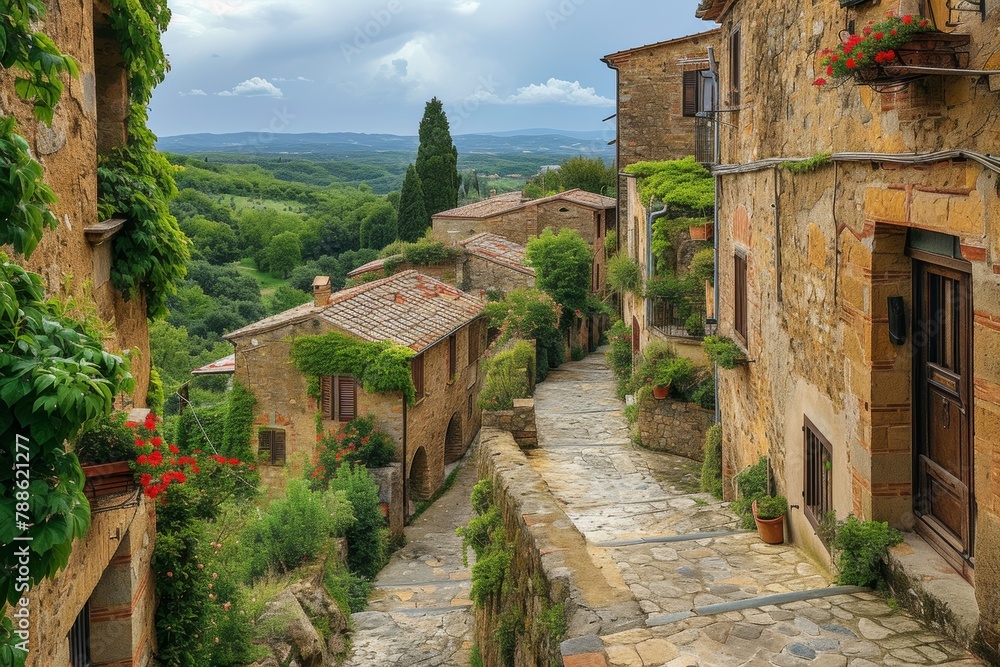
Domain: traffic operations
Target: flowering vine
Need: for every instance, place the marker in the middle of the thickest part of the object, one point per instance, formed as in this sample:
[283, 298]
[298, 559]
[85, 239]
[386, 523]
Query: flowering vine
[876, 46]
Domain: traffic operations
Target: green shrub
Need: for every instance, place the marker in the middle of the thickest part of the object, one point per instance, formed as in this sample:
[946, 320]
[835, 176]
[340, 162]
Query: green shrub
[563, 264]
[711, 469]
[476, 656]
[154, 395]
[358, 442]
[202, 428]
[108, 440]
[485, 534]
[724, 351]
[677, 373]
[619, 355]
[695, 325]
[510, 627]
[577, 353]
[771, 507]
[368, 536]
[704, 394]
[490, 572]
[685, 186]
[860, 548]
[624, 275]
[348, 589]
[507, 374]
[752, 484]
[238, 425]
[610, 243]
[294, 529]
[632, 413]
[702, 266]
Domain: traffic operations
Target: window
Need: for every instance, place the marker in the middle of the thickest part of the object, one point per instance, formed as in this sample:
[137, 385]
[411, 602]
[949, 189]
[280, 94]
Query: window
[475, 337]
[818, 486]
[271, 446]
[452, 356]
[693, 91]
[740, 296]
[79, 639]
[338, 397]
[735, 67]
[417, 373]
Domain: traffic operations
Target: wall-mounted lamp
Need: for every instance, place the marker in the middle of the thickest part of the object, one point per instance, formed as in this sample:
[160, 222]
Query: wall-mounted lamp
[897, 320]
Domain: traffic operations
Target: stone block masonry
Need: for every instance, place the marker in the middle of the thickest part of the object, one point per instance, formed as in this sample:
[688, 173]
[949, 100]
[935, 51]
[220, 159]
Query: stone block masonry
[675, 427]
[552, 564]
[519, 422]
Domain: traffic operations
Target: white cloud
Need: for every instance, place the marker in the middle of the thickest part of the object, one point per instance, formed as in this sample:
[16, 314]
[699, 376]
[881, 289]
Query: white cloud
[194, 92]
[253, 87]
[297, 78]
[466, 6]
[553, 91]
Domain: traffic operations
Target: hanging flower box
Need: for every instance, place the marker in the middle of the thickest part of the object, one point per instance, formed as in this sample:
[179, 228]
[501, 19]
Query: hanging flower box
[108, 479]
[879, 56]
[702, 232]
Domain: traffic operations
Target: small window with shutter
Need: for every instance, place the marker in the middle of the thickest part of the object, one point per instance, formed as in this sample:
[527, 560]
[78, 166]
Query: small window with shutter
[735, 67]
[692, 92]
[740, 295]
[271, 446]
[338, 397]
[417, 372]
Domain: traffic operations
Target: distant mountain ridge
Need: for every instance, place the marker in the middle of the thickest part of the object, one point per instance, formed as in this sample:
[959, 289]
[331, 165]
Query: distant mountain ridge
[538, 141]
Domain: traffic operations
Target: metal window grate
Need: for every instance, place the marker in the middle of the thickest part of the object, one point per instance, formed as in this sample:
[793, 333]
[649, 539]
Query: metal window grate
[818, 488]
[79, 639]
[704, 141]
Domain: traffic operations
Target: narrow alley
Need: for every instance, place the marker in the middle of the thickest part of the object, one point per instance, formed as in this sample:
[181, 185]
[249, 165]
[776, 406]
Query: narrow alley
[710, 594]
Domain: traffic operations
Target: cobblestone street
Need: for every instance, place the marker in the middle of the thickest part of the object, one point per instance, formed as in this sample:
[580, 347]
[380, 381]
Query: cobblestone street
[710, 594]
[420, 614]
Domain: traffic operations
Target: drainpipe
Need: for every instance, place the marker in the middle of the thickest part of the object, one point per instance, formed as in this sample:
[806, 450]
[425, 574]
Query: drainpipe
[653, 216]
[404, 460]
[715, 280]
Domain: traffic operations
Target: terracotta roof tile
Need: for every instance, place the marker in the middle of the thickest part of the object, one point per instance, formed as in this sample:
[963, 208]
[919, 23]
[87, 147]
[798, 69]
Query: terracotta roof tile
[372, 266]
[408, 308]
[224, 366]
[486, 208]
[619, 54]
[499, 250]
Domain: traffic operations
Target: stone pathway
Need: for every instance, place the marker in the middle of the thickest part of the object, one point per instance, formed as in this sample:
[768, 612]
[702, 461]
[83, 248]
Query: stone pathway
[642, 511]
[420, 614]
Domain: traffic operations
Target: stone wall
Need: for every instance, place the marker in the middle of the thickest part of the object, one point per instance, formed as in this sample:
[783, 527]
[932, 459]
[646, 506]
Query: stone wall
[675, 427]
[519, 422]
[552, 563]
[479, 273]
[390, 496]
[88, 117]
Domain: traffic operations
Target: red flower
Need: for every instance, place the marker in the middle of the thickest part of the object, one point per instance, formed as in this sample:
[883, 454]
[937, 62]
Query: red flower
[157, 441]
[867, 30]
[834, 59]
[893, 32]
[819, 82]
[156, 458]
[851, 63]
[879, 36]
[142, 460]
[139, 442]
[908, 19]
[146, 479]
[234, 462]
[829, 70]
[150, 422]
[130, 424]
[174, 449]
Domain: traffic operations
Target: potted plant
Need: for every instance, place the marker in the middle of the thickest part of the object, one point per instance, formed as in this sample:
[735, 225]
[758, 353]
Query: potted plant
[876, 56]
[724, 351]
[105, 452]
[769, 515]
[702, 231]
[676, 372]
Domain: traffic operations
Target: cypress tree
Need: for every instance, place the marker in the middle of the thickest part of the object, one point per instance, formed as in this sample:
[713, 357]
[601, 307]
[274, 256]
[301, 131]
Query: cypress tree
[413, 218]
[437, 160]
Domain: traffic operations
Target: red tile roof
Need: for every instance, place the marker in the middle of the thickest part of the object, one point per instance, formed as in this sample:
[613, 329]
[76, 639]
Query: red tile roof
[499, 250]
[582, 197]
[623, 55]
[372, 266]
[224, 366]
[408, 308]
[513, 201]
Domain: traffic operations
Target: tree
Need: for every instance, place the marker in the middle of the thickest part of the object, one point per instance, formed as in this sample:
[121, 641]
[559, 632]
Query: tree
[588, 174]
[378, 229]
[283, 253]
[413, 217]
[285, 298]
[437, 160]
[562, 265]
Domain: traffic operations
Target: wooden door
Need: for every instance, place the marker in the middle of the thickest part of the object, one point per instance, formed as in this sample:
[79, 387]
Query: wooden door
[943, 493]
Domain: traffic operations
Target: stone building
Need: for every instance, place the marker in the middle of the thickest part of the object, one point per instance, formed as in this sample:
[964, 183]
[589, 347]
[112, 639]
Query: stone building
[483, 262]
[102, 605]
[865, 288]
[441, 324]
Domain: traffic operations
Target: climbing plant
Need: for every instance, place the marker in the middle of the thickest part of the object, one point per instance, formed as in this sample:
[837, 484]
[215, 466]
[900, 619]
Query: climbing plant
[135, 182]
[381, 368]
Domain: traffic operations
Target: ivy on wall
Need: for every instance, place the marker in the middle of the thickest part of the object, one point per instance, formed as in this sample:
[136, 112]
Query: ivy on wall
[136, 182]
[380, 368]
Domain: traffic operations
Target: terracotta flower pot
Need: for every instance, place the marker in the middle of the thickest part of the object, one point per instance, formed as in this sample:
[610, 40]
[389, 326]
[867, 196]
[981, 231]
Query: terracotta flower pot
[702, 232]
[107, 479]
[661, 392]
[772, 531]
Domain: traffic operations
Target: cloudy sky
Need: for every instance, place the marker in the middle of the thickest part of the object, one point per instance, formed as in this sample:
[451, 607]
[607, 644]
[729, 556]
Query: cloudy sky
[369, 65]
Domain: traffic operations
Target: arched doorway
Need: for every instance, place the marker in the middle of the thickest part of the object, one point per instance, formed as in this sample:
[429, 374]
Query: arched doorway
[419, 478]
[454, 447]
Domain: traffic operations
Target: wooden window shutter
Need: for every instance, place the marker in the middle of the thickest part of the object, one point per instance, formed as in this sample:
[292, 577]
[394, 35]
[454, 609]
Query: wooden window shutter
[740, 297]
[347, 398]
[735, 67]
[690, 106]
[278, 448]
[326, 396]
[264, 445]
[417, 372]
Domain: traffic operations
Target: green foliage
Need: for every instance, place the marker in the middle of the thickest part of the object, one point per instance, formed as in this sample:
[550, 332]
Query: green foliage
[619, 355]
[381, 368]
[54, 379]
[437, 161]
[771, 507]
[860, 548]
[24, 198]
[704, 393]
[154, 394]
[295, 528]
[414, 219]
[507, 377]
[368, 536]
[201, 428]
[282, 254]
[238, 426]
[182, 610]
[349, 590]
[285, 298]
[476, 656]
[624, 275]
[491, 570]
[677, 373]
[702, 265]
[358, 442]
[807, 166]
[552, 623]
[107, 440]
[510, 627]
[577, 353]
[215, 242]
[724, 351]
[610, 242]
[563, 264]
[632, 414]
[590, 174]
[422, 252]
[378, 229]
[711, 469]
[684, 186]
[862, 53]
[752, 485]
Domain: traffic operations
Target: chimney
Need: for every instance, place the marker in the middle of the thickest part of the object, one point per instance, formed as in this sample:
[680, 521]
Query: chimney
[322, 290]
[493, 193]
